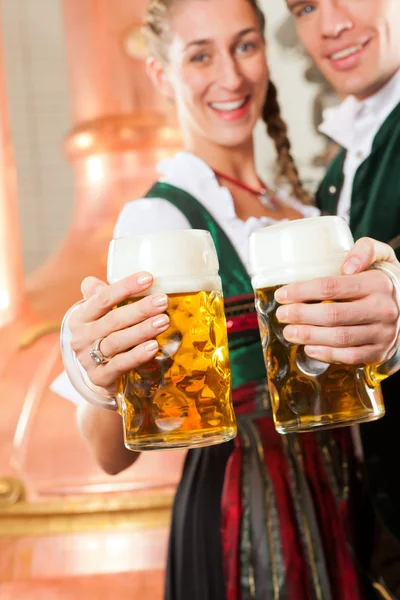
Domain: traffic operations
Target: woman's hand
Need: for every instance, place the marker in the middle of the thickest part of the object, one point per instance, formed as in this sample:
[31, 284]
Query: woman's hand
[357, 319]
[127, 333]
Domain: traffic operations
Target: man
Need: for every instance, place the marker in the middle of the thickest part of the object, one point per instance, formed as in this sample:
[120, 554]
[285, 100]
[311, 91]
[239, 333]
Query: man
[356, 46]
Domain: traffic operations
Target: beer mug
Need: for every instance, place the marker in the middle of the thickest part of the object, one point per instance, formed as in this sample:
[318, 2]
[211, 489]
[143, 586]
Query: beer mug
[307, 393]
[181, 398]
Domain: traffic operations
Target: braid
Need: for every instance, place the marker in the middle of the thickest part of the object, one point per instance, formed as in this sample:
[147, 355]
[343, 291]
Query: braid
[277, 131]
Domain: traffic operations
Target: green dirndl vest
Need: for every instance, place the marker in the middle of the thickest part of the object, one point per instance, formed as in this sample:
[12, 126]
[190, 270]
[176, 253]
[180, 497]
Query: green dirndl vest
[246, 357]
[375, 212]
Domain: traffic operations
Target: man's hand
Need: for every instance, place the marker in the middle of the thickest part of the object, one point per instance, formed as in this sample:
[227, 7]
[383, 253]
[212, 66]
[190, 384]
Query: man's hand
[356, 318]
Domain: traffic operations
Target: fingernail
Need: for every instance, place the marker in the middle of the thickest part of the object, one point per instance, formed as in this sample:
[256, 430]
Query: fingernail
[160, 300]
[151, 346]
[281, 294]
[160, 321]
[144, 279]
[351, 266]
[282, 314]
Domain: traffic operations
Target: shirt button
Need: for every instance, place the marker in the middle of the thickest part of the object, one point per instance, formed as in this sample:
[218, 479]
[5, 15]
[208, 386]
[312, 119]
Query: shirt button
[360, 154]
[332, 189]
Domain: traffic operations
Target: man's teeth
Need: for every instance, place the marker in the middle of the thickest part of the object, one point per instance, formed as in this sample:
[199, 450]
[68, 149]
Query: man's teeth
[346, 52]
[229, 105]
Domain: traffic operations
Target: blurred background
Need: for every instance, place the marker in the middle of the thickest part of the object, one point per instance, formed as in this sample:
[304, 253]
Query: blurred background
[81, 132]
[41, 113]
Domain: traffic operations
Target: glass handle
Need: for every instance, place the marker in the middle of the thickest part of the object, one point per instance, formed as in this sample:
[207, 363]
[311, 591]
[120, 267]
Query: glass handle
[392, 365]
[389, 367]
[74, 370]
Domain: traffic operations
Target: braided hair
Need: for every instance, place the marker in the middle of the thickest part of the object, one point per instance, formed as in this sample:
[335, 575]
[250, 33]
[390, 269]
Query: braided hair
[278, 132]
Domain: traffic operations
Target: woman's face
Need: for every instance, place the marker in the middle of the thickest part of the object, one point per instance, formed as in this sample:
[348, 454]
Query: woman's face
[217, 69]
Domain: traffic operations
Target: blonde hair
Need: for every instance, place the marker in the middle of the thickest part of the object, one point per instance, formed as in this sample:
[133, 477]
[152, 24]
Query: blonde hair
[156, 29]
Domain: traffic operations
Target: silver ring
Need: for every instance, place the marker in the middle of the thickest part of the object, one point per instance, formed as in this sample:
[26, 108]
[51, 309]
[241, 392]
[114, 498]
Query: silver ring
[96, 354]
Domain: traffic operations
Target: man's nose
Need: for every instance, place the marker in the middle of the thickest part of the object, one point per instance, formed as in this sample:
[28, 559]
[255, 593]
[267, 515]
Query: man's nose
[335, 18]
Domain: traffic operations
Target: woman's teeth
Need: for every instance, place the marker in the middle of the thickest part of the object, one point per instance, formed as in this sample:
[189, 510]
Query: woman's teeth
[229, 106]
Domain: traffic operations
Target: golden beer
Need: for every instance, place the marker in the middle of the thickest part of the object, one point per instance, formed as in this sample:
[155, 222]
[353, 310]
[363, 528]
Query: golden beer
[183, 396]
[307, 393]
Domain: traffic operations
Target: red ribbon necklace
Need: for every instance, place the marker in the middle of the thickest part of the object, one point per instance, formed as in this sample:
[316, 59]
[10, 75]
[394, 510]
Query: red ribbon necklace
[265, 194]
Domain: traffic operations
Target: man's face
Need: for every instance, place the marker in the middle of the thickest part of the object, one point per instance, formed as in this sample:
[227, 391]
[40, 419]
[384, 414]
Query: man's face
[354, 43]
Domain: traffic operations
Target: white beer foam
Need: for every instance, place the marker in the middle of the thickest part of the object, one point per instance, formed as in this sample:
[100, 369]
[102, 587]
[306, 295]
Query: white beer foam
[180, 261]
[298, 251]
[184, 285]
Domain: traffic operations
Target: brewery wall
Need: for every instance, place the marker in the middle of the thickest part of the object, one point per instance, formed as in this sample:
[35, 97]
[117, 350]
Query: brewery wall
[38, 102]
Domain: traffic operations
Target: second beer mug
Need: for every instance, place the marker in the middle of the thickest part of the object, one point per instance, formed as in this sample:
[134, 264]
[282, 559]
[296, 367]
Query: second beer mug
[306, 393]
[181, 398]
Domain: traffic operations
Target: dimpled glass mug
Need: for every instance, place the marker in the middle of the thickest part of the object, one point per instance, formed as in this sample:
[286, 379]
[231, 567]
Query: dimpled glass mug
[307, 393]
[181, 398]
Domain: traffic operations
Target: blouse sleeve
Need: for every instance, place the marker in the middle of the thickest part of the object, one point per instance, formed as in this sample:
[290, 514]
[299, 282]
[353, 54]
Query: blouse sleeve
[149, 215]
[139, 216]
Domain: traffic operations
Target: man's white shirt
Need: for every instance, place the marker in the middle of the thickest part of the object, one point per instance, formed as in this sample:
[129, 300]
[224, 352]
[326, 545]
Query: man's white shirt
[354, 125]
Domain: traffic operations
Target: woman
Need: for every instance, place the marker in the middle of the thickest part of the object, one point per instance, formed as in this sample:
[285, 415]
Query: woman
[266, 516]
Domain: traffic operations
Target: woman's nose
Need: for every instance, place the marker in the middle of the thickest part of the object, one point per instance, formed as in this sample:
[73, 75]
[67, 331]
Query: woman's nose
[230, 75]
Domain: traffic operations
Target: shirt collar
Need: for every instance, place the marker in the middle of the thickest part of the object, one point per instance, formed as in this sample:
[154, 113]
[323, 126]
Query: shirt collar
[186, 166]
[340, 122]
[190, 173]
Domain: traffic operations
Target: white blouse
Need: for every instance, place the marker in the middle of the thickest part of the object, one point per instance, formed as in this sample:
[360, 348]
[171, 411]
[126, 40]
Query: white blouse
[191, 174]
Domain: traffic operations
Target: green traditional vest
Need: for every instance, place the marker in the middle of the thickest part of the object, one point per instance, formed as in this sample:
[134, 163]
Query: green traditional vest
[375, 212]
[375, 201]
[247, 361]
